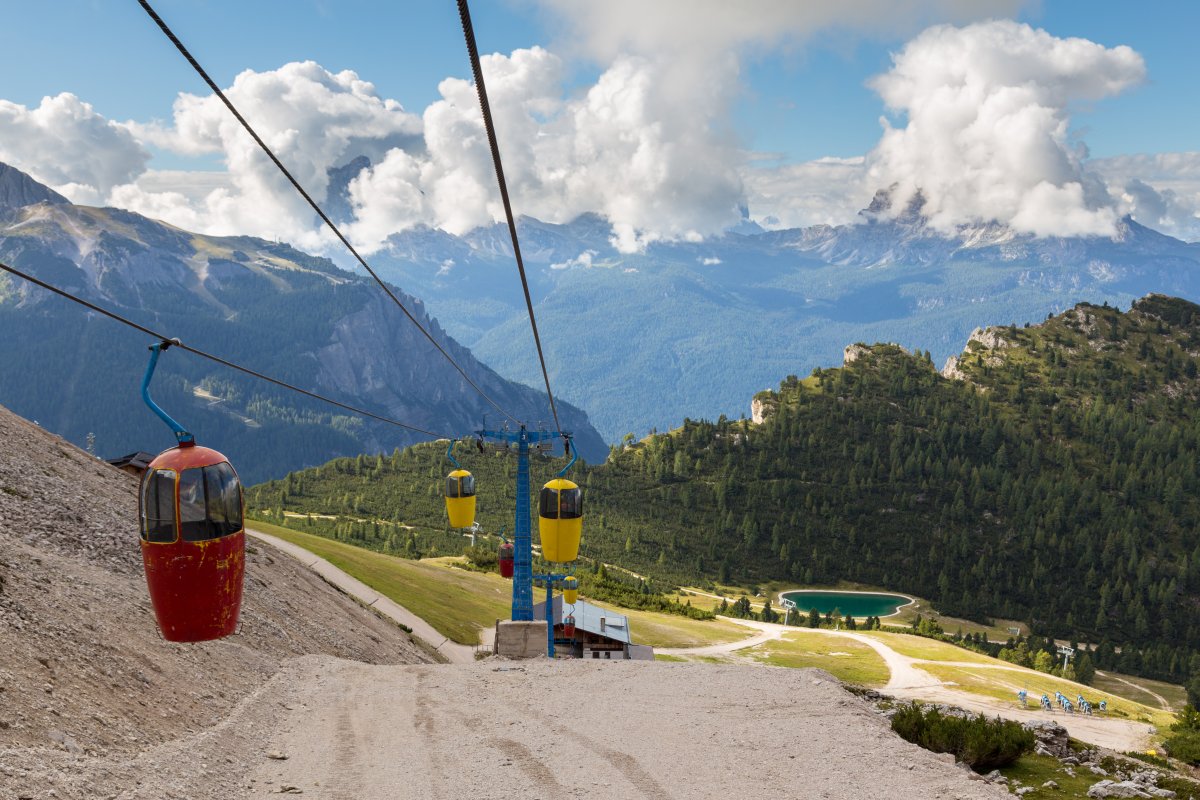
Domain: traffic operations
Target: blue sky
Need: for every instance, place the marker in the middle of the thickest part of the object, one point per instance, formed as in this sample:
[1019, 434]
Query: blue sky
[794, 98]
[807, 102]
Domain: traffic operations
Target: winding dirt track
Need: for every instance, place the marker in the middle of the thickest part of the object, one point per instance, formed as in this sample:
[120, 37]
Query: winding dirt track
[1162, 701]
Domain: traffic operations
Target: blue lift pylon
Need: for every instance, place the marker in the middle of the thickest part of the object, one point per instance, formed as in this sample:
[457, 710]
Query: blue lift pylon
[523, 577]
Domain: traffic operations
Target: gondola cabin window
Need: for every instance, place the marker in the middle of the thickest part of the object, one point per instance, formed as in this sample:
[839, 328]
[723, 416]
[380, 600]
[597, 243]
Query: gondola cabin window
[463, 486]
[564, 504]
[210, 503]
[158, 506]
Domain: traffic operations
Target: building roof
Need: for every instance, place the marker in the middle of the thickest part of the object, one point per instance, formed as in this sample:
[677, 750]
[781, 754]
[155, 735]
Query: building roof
[593, 619]
[140, 459]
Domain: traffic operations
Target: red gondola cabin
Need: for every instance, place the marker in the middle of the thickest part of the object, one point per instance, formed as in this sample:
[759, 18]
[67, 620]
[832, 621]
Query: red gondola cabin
[193, 543]
[506, 560]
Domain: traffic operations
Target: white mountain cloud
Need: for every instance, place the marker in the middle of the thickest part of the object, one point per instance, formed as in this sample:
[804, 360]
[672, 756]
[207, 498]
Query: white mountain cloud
[69, 147]
[987, 120]
[626, 148]
[312, 118]
[986, 136]
[1160, 190]
[827, 191]
[693, 30]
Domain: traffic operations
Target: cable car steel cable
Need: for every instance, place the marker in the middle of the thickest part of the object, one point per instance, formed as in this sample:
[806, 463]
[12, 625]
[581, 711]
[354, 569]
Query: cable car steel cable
[464, 14]
[560, 505]
[217, 359]
[320, 213]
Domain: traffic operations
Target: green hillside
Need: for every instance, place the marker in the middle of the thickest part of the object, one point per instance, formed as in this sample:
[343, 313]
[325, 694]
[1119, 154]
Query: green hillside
[1053, 481]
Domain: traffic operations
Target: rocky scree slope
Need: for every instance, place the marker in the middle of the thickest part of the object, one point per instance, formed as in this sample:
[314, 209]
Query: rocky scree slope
[86, 682]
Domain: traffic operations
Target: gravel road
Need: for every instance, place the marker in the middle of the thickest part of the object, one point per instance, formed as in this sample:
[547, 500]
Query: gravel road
[537, 729]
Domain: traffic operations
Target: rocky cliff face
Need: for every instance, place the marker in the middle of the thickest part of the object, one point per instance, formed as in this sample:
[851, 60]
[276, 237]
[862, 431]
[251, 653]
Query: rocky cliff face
[981, 339]
[758, 411]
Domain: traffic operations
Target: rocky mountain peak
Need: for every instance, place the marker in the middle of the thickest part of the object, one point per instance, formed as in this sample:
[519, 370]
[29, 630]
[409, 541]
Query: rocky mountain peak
[882, 203]
[18, 189]
[337, 194]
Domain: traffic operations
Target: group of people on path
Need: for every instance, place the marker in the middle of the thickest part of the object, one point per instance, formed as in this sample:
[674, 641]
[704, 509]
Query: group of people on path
[1064, 702]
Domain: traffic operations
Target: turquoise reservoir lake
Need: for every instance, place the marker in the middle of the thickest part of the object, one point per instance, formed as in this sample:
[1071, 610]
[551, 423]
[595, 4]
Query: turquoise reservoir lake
[856, 604]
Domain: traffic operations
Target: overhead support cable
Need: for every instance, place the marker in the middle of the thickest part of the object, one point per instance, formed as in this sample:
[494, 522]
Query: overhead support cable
[313, 203]
[217, 359]
[464, 14]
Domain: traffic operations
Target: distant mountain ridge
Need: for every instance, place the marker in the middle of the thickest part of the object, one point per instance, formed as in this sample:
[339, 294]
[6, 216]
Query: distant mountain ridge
[643, 339]
[692, 328]
[262, 304]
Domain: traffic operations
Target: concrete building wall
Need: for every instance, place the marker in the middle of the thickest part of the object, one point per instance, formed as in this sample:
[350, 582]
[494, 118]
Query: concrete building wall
[521, 639]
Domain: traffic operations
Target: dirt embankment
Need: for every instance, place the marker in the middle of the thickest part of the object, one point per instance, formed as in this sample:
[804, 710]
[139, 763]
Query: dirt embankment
[86, 683]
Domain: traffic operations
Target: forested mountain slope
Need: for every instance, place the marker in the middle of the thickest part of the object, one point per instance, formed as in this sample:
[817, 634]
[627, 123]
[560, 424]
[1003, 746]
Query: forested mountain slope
[1049, 476]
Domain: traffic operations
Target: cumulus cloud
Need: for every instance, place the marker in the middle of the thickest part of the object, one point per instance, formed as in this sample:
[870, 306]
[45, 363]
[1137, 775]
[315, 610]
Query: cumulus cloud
[826, 191]
[65, 144]
[313, 119]
[699, 28]
[1160, 190]
[627, 148]
[986, 137]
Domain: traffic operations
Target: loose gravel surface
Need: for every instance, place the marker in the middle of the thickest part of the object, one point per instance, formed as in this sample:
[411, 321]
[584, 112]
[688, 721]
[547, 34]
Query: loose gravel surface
[92, 700]
[626, 729]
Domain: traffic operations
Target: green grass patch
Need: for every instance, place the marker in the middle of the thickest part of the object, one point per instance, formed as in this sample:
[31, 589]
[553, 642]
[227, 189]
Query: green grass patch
[697, 600]
[931, 649]
[1174, 694]
[1034, 770]
[846, 659]
[457, 603]
[673, 659]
